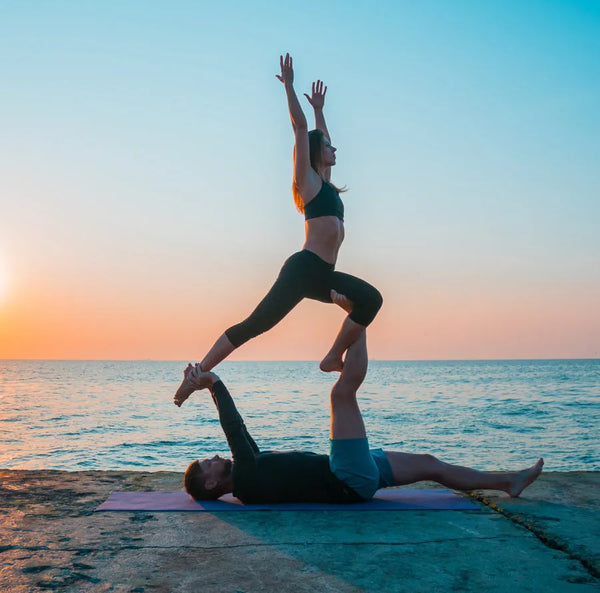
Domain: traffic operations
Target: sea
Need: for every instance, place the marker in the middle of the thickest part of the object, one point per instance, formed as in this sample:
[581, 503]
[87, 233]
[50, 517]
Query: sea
[119, 415]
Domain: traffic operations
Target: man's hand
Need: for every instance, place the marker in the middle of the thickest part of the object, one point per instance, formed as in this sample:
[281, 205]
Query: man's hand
[201, 380]
[318, 95]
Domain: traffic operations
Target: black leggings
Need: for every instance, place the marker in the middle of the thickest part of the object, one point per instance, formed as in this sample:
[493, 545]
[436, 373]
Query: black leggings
[306, 275]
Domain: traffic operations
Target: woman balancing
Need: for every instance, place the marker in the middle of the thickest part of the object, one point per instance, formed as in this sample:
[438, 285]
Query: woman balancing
[308, 273]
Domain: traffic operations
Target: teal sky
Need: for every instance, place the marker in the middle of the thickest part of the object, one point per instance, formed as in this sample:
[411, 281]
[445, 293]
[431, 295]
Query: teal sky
[145, 164]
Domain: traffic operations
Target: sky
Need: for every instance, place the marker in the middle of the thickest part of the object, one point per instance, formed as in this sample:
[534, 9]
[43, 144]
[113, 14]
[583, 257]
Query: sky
[145, 171]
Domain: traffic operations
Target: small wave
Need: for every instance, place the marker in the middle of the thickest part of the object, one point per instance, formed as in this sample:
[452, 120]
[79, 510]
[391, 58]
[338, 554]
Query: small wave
[148, 445]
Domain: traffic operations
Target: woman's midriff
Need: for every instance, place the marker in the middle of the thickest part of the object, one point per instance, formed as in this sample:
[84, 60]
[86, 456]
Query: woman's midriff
[324, 236]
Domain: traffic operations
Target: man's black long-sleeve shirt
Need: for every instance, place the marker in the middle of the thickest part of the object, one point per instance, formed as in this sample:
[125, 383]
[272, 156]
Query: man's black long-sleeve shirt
[270, 476]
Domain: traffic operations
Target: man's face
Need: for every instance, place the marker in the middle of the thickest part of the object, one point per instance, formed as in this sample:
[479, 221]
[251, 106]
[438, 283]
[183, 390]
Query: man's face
[216, 468]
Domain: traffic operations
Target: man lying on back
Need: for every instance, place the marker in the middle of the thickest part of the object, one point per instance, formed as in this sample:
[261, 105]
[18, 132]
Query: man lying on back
[350, 473]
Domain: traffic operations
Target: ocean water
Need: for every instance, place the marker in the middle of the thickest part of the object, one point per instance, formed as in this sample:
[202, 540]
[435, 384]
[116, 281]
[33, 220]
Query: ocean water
[81, 415]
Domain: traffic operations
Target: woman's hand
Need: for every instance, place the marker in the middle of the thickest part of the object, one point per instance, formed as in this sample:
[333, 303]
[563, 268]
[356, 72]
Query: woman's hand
[318, 95]
[287, 70]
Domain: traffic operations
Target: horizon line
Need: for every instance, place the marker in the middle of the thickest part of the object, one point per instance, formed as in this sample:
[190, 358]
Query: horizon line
[295, 360]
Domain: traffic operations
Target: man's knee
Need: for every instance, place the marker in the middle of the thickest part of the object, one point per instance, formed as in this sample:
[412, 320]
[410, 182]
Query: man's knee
[342, 392]
[351, 379]
[431, 464]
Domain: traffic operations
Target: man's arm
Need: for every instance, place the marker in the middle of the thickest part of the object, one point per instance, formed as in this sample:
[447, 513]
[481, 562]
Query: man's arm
[305, 179]
[240, 442]
[231, 421]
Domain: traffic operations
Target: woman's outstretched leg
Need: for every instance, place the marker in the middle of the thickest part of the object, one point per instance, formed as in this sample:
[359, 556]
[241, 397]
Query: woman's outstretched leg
[408, 468]
[287, 291]
[220, 350]
[279, 301]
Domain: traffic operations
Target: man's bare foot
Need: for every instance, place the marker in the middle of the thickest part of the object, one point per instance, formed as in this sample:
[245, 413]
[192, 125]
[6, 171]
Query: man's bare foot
[186, 388]
[520, 480]
[341, 300]
[331, 363]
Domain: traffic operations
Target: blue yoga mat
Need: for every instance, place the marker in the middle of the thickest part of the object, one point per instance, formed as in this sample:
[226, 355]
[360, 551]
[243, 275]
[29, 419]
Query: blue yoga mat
[390, 499]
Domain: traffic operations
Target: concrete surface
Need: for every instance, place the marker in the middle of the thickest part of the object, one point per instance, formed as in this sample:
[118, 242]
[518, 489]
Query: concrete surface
[51, 540]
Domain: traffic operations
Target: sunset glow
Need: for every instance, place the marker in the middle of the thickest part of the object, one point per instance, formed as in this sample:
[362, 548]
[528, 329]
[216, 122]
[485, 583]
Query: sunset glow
[146, 173]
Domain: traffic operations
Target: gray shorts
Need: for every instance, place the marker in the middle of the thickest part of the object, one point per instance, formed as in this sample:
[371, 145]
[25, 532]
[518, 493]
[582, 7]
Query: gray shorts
[364, 470]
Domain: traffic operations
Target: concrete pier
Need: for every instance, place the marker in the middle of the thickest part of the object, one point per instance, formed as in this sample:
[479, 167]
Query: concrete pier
[51, 540]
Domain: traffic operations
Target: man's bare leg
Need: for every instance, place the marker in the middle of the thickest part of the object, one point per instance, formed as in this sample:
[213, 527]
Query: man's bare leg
[349, 333]
[346, 419]
[409, 468]
[220, 350]
[347, 422]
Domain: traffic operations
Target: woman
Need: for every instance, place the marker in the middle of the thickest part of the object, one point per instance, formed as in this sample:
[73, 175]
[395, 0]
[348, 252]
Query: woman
[308, 273]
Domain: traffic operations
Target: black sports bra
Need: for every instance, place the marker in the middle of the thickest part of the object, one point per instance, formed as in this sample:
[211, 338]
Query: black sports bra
[326, 203]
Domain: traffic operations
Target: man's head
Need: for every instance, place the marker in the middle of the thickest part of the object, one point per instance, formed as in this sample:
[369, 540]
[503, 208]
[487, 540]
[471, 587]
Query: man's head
[208, 479]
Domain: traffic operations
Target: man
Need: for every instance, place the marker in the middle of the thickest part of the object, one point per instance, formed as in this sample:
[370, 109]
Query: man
[350, 473]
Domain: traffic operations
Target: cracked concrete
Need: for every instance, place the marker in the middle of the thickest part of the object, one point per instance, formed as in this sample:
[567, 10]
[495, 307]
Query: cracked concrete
[50, 539]
[563, 514]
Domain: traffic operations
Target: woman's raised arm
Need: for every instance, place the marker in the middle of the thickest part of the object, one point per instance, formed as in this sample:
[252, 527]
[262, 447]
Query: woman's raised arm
[305, 179]
[317, 101]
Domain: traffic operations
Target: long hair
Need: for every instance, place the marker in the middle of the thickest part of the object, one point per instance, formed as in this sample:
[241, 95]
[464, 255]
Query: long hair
[315, 144]
[193, 481]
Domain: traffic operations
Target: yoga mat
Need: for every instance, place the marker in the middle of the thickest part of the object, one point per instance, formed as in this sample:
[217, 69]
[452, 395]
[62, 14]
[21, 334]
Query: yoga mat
[384, 500]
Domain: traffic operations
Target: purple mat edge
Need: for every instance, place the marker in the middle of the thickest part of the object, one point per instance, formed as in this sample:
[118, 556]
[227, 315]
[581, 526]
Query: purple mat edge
[384, 500]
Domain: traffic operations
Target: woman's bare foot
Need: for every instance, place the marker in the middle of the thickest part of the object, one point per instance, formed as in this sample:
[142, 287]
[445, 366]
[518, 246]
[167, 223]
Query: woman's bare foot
[341, 300]
[331, 363]
[520, 480]
[186, 388]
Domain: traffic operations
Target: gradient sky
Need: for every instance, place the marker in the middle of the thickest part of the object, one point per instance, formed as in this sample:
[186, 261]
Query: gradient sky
[145, 168]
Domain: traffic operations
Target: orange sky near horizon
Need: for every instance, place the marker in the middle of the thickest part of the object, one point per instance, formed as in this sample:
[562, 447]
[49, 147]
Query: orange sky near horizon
[417, 324]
